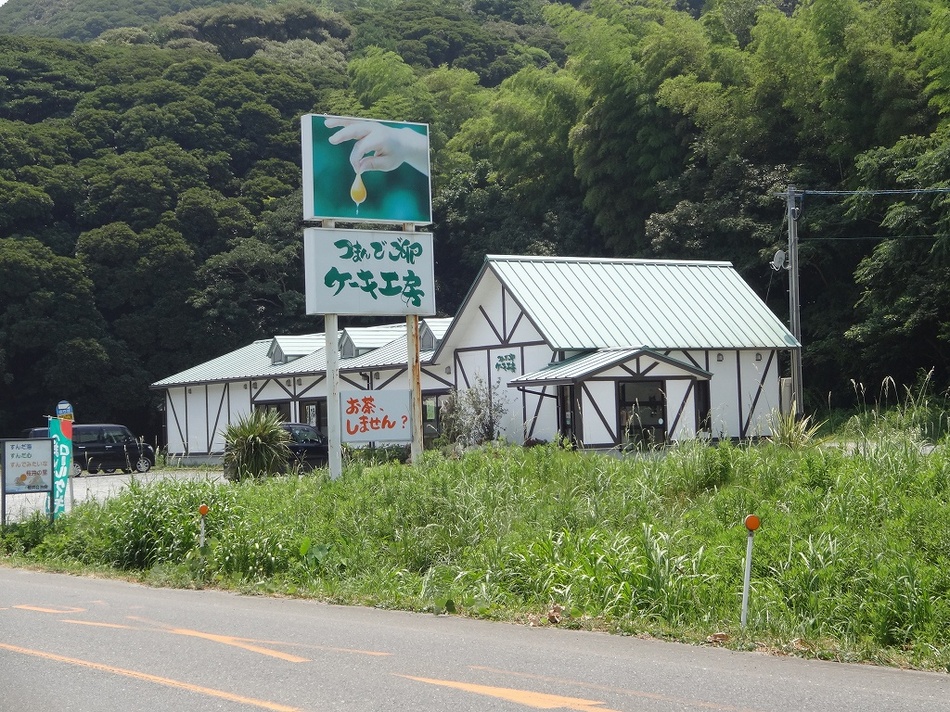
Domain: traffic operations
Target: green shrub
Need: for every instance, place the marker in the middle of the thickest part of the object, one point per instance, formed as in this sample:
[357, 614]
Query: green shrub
[256, 446]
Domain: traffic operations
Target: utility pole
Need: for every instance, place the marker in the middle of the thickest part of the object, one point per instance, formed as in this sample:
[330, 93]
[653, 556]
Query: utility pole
[794, 301]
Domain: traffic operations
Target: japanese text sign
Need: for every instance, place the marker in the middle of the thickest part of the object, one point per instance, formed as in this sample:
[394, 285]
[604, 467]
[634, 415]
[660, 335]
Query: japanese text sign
[376, 416]
[28, 465]
[61, 431]
[365, 170]
[360, 272]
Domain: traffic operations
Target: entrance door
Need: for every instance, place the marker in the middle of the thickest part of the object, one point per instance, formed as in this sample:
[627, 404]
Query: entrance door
[642, 411]
[567, 410]
[314, 412]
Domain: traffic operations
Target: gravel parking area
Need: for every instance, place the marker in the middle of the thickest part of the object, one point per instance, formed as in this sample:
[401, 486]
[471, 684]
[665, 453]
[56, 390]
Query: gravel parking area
[99, 487]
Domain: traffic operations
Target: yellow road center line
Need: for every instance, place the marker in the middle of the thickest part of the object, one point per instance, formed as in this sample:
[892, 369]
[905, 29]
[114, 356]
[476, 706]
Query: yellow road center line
[98, 624]
[312, 646]
[618, 690]
[168, 682]
[240, 643]
[537, 700]
[254, 644]
[50, 610]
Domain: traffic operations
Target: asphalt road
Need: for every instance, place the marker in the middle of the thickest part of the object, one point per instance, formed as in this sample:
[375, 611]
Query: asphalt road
[74, 644]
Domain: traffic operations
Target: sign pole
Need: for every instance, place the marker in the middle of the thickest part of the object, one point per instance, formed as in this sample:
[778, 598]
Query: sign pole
[334, 436]
[415, 378]
[415, 387]
[332, 348]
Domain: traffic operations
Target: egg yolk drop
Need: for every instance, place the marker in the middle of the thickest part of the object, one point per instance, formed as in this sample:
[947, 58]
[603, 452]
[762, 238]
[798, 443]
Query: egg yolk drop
[358, 191]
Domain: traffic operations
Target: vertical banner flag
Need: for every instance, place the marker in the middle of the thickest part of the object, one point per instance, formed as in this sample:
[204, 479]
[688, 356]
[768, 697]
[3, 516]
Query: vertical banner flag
[365, 170]
[61, 431]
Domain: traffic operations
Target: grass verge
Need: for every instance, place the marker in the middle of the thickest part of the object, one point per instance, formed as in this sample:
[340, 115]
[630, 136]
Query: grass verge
[851, 562]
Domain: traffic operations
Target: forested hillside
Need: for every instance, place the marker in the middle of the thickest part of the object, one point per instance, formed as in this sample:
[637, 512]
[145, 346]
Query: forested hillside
[150, 166]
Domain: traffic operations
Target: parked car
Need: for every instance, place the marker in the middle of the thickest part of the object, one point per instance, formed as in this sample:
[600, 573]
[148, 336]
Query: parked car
[307, 446]
[105, 446]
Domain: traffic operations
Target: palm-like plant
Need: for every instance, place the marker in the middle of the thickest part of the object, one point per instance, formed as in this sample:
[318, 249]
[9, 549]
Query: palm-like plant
[793, 432]
[256, 446]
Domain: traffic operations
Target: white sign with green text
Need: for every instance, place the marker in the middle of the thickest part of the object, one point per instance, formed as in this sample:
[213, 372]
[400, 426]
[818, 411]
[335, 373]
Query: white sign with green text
[369, 272]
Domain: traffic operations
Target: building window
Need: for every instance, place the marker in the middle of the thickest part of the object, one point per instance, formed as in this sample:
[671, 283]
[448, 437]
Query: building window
[431, 420]
[703, 407]
[567, 406]
[282, 408]
[642, 411]
[314, 412]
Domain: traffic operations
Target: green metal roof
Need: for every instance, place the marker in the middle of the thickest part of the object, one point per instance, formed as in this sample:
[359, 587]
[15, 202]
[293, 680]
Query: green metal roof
[585, 303]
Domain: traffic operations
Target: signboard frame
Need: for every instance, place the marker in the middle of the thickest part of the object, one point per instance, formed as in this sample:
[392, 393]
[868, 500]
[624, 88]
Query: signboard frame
[369, 272]
[365, 170]
[376, 416]
[18, 456]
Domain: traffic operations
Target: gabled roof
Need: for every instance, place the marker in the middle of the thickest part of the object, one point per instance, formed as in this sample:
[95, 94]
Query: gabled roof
[246, 362]
[312, 362]
[395, 354]
[287, 348]
[256, 360]
[582, 366]
[581, 303]
[372, 337]
[438, 326]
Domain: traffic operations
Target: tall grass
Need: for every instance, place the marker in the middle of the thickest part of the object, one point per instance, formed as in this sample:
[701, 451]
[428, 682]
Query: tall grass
[852, 561]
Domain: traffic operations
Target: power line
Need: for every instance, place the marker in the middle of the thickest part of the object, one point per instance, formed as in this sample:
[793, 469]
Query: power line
[877, 237]
[915, 191]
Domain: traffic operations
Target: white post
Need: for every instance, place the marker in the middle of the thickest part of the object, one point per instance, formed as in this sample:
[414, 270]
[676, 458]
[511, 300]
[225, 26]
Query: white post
[747, 580]
[334, 433]
[332, 350]
[751, 524]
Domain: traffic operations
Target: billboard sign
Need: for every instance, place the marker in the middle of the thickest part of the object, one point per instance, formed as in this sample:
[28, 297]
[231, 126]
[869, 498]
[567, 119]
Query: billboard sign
[28, 465]
[376, 416]
[360, 272]
[365, 170]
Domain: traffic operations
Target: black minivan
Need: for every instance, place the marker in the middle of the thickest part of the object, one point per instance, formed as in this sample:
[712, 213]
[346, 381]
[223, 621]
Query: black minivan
[105, 446]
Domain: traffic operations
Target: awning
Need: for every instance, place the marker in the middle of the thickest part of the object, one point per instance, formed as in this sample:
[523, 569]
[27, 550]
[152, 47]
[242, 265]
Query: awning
[583, 366]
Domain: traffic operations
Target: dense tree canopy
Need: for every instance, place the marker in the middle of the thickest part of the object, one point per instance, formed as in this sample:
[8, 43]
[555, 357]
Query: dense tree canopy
[150, 166]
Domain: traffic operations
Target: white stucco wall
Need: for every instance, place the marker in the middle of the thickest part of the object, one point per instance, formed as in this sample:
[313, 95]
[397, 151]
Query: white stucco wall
[744, 393]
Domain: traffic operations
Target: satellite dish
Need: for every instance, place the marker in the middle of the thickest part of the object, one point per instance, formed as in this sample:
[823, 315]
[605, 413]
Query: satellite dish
[778, 261]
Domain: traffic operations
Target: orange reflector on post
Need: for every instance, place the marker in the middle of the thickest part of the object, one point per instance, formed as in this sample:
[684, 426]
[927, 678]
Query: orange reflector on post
[752, 522]
[203, 509]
